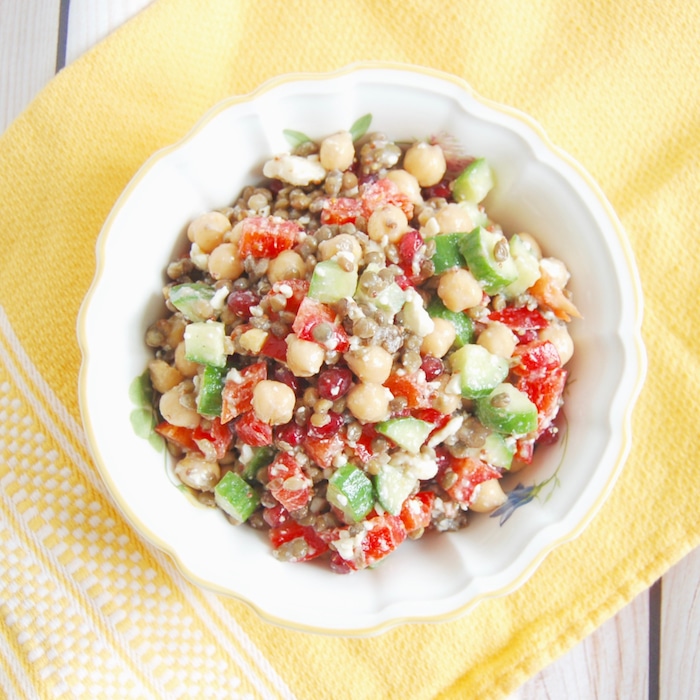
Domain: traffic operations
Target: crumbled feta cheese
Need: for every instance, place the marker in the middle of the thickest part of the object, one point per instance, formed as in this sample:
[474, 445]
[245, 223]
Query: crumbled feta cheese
[422, 466]
[296, 170]
[220, 296]
[454, 386]
[415, 318]
[253, 340]
[199, 257]
[450, 429]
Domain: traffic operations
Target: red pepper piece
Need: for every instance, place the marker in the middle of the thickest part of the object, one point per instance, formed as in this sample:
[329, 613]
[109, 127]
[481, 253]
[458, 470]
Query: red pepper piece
[267, 237]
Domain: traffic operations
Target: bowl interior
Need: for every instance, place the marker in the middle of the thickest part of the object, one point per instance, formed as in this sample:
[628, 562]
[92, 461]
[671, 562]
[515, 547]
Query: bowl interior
[538, 190]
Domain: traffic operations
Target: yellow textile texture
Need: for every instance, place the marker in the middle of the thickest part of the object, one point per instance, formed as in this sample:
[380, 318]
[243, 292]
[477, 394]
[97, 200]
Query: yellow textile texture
[85, 604]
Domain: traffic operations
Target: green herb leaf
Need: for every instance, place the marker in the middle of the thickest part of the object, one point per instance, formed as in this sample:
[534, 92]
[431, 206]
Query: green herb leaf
[295, 138]
[359, 128]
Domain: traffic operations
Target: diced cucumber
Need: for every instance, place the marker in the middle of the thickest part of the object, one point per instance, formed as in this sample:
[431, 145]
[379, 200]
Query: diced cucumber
[262, 456]
[236, 497]
[507, 410]
[408, 432]
[351, 491]
[204, 343]
[488, 258]
[479, 370]
[330, 283]
[462, 323]
[447, 253]
[193, 299]
[527, 265]
[211, 384]
[390, 299]
[477, 213]
[474, 182]
[497, 452]
[393, 485]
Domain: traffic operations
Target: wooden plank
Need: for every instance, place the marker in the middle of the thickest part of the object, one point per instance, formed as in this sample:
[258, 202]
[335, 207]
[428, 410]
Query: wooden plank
[89, 22]
[610, 663]
[28, 41]
[680, 630]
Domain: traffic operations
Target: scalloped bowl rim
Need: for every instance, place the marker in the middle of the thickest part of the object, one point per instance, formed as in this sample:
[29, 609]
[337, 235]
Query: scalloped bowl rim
[623, 336]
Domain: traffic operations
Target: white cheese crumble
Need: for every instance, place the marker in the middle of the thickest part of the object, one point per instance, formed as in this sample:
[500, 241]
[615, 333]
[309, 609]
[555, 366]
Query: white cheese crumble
[219, 298]
[296, 170]
[421, 466]
[415, 318]
[450, 428]
[199, 257]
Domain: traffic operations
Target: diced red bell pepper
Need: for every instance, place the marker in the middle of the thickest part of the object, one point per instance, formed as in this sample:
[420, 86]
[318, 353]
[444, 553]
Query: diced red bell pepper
[323, 450]
[363, 448]
[341, 210]
[252, 431]
[237, 396]
[267, 236]
[416, 512]
[378, 193]
[520, 319]
[182, 437]
[408, 247]
[536, 358]
[546, 393]
[219, 436]
[312, 545]
[524, 450]
[413, 387]
[312, 313]
[470, 473]
[276, 516]
[274, 347]
[288, 483]
[300, 289]
[432, 415]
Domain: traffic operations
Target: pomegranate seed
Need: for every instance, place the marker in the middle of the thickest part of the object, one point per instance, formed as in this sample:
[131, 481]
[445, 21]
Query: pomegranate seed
[291, 433]
[334, 383]
[441, 189]
[433, 367]
[284, 375]
[276, 516]
[335, 422]
[240, 302]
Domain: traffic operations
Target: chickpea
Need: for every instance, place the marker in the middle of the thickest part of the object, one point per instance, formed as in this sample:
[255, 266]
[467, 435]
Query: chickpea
[273, 402]
[531, 242]
[459, 290]
[407, 184]
[558, 335]
[370, 364]
[342, 243]
[186, 367]
[438, 342]
[235, 234]
[225, 263]
[389, 221]
[208, 230]
[453, 217]
[304, 357]
[488, 496]
[177, 406]
[163, 376]
[426, 163]
[198, 473]
[498, 339]
[286, 266]
[337, 152]
[369, 403]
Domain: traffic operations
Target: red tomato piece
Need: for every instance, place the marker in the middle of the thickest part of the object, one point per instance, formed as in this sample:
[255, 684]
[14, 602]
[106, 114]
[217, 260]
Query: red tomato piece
[182, 437]
[416, 512]
[252, 431]
[237, 396]
[323, 450]
[470, 473]
[219, 436]
[341, 210]
[413, 387]
[288, 483]
[382, 192]
[312, 313]
[536, 358]
[267, 237]
[546, 393]
[311, 545]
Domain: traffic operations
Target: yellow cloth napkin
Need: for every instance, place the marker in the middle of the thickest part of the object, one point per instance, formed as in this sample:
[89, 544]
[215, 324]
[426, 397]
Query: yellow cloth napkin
[86, 607]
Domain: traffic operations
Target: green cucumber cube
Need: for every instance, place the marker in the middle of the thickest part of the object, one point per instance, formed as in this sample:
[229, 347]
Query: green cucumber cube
[211, 384]
[390, 299]
[479, 370]
[205, 343]
[331, 283]
[193, 300]
[507, 410]
[489, 260]
[262, 457]
[474, 182]
[236, 497]
[393, 485]
[497, 451]
[447, 253]
[408, 433]
[351, 491]
[464, 326]
[528, 267]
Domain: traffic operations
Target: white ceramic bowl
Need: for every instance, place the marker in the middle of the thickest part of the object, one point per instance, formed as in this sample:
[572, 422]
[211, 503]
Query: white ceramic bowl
[539, 189]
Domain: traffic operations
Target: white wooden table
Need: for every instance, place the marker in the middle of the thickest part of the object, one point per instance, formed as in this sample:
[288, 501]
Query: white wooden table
[650, 650]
